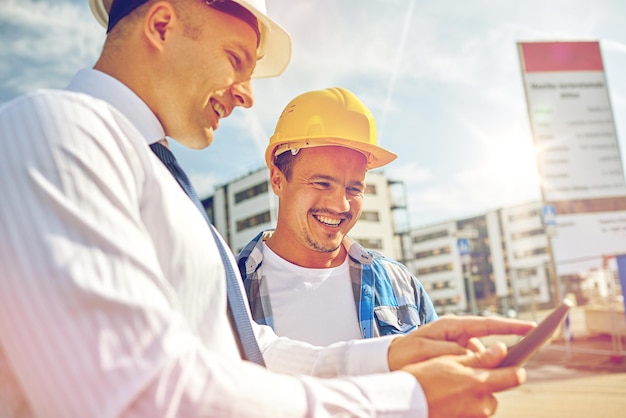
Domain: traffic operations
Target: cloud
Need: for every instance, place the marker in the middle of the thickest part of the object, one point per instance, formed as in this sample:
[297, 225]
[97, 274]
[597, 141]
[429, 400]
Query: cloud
[443, 82]
[411, 173]
[205, 184]
[44, 43]
[610, 45]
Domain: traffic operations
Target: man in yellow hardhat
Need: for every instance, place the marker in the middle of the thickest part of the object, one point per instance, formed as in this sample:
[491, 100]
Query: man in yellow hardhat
[306, 277]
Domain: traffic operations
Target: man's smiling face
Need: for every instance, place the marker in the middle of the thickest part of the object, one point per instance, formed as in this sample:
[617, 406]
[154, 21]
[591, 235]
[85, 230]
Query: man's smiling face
[322, 200]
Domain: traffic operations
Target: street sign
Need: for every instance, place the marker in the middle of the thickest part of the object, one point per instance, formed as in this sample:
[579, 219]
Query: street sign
[463, 246]
[549, 215]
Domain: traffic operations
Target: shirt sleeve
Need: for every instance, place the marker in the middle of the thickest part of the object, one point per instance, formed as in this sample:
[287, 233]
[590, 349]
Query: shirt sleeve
[349, 358]
[88, 324]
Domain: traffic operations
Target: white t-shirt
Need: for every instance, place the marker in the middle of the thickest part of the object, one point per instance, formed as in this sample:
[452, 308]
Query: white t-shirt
[312, 305]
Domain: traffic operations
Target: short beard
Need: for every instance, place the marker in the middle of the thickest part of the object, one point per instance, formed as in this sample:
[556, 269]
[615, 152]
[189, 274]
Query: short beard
[317, 247]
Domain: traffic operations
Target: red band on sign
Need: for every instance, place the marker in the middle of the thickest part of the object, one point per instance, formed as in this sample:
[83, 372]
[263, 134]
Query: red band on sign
[561, 56]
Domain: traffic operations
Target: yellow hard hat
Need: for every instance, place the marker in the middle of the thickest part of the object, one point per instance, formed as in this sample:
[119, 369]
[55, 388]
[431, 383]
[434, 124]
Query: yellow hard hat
[332, 116]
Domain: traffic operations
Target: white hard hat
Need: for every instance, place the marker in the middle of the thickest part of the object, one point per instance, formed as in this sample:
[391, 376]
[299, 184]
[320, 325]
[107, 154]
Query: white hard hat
[274, 50]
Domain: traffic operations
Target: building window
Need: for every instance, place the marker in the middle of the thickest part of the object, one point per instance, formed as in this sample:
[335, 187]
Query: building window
[533, 213]
[432, 253]
[371, 243]
[208, 207]
[370, 189]
[254, 220]
[525, 234]
[530, 252]
[431, 236]
[371, 216]
[434, 269]
[251, 192]
[446, 302]
[526, 273]
[445, 284]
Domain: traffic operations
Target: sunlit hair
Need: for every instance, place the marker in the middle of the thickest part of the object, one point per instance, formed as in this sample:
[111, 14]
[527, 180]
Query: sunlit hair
[284, 162]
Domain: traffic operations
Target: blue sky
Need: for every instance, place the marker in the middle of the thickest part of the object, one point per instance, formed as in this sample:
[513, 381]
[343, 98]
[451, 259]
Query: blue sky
[442, 79]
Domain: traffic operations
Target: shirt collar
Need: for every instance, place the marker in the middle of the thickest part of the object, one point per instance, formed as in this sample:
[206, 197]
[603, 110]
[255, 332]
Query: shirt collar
[356, 251]
[253, 252]
[102, 86]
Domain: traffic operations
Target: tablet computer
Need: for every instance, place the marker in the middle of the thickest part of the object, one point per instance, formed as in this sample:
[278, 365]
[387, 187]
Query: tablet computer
[519, 353]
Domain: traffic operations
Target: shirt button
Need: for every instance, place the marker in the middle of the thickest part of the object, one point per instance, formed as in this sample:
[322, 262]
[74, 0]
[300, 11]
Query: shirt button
[367, 290]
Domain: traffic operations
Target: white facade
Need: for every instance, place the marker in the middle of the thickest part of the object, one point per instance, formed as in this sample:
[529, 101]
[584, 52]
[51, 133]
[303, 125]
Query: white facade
[498, 255]
[437, 264]
[375, 229]
[527, 252]
[244, 207]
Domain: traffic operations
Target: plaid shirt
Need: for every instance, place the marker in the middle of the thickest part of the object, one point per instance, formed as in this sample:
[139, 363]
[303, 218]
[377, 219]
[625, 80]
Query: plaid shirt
[387, 297]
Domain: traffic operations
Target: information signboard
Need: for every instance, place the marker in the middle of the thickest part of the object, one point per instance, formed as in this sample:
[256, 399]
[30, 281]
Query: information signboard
[578, 156]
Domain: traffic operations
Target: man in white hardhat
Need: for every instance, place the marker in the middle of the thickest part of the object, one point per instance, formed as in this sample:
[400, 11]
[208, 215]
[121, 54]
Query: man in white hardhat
[113, 285]
[307, 279]
[274, 44]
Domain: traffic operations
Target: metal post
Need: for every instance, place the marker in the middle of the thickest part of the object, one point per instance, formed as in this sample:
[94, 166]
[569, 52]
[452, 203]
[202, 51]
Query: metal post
[531, 292]
[470, 284]
[463, 236]
[515, 290]
[553, 275]
[616, 337]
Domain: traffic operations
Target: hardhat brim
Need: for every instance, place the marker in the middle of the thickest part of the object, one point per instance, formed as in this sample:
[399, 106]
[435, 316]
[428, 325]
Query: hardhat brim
[275, 45]
[275, 41]
[99, 12]
[376, 156]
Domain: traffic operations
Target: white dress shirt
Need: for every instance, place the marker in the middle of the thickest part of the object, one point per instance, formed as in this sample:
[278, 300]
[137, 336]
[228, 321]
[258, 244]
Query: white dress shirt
[112, 291]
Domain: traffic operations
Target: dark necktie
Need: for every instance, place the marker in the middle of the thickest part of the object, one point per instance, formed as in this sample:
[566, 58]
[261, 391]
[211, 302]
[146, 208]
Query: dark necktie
[236, 302]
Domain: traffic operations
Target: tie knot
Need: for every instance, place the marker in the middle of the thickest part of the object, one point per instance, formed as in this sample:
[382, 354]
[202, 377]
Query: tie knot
[163, 153]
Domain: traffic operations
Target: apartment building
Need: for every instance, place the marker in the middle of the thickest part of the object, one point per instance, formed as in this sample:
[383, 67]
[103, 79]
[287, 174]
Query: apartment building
[437, 264]
[527, 253]
[491, 262]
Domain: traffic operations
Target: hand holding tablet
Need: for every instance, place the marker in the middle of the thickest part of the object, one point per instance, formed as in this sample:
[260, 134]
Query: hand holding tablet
[535, 339]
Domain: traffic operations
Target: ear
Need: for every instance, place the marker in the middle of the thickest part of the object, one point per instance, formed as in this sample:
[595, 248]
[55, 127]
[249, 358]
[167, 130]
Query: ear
[277, 180]
[158, 21]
